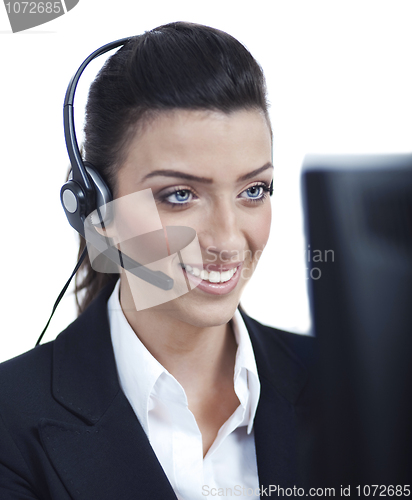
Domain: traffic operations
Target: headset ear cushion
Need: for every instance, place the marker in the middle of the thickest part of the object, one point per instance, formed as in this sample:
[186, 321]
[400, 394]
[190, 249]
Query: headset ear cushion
[103, 197]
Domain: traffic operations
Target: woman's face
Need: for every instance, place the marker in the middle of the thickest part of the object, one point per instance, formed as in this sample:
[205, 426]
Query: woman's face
[210, 171]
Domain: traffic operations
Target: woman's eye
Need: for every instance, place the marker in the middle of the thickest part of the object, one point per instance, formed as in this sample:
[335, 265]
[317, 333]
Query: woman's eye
[179, 197]
[255, 191]
[182, 196]
[258, 192]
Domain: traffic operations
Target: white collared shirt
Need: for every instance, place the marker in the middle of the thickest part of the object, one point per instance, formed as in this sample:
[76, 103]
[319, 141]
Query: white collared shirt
[161, 406]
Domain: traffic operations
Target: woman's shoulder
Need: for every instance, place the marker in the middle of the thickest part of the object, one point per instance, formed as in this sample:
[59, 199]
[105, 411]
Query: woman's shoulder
[22, 373]
[26, 396]
[65, 377]
[25, 391]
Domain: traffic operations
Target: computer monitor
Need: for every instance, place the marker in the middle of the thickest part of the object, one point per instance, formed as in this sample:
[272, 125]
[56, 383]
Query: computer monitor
[358, 222]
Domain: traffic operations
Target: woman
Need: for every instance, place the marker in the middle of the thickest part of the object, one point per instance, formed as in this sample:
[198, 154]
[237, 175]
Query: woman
[189, 397]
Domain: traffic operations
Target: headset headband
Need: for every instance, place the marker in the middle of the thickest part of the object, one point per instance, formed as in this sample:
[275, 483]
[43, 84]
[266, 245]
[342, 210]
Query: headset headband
[79, 172]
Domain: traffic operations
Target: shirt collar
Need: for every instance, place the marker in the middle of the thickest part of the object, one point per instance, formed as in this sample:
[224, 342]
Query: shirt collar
[245, 360]
[139, 371]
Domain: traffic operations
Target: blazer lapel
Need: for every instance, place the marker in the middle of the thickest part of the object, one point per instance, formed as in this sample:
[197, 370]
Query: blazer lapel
[282, 378]
[100, 449]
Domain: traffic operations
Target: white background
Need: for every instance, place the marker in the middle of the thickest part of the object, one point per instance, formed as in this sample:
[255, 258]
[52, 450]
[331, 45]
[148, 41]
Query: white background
[339, 78]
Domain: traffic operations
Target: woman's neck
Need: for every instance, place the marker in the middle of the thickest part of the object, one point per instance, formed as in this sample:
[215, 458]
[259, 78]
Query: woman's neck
[199, 357]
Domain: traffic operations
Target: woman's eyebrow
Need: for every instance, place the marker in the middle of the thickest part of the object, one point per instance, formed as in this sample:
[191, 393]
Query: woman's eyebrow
[255, 172]
[204, 180]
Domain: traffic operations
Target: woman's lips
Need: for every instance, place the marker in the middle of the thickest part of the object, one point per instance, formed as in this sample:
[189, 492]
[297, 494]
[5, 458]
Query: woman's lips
[221, 288]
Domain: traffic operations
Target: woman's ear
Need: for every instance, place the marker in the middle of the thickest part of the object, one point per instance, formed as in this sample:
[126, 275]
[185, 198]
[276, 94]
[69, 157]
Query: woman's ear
[102, 220]
[103, 230]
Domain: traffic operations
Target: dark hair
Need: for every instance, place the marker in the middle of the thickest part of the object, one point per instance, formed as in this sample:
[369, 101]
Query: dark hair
[175, 66]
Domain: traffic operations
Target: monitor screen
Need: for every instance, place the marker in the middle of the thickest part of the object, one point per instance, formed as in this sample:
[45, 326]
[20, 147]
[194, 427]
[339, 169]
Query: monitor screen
[358, 222]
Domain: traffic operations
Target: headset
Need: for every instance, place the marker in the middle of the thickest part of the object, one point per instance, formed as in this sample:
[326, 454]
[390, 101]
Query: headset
[86, 192]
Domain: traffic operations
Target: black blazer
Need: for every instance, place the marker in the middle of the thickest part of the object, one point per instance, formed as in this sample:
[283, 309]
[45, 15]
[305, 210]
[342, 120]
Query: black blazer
[68, 432]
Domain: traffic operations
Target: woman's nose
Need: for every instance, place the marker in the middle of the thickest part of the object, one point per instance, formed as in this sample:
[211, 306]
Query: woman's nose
[221, 233]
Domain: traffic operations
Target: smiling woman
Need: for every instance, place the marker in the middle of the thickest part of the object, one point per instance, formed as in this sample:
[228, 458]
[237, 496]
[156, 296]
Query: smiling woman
[187, 394]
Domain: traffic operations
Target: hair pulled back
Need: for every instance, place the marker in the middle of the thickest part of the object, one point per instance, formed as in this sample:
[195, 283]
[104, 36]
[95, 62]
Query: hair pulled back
[175, 66]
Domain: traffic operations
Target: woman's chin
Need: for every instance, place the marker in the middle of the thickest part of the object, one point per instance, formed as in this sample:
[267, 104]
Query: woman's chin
[193, 310]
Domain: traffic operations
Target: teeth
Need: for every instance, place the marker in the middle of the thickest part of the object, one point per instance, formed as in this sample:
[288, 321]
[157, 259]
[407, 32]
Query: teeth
[212, 276]
[226, 275]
